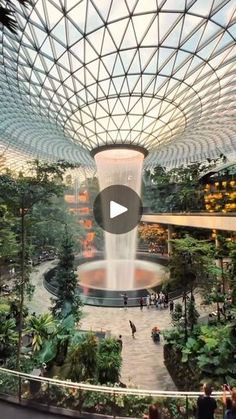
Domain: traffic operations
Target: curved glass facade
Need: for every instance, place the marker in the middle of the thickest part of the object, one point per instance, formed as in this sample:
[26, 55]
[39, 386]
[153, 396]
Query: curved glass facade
[156, 73]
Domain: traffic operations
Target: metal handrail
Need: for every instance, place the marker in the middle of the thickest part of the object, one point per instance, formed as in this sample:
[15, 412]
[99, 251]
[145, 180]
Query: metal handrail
[108, 390]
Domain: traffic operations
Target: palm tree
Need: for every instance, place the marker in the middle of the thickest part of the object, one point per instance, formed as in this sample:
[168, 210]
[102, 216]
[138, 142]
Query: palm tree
[41, 328]
[7, 14]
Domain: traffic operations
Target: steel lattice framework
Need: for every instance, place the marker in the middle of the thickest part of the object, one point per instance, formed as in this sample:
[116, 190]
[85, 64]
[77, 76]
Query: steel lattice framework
[157, 73]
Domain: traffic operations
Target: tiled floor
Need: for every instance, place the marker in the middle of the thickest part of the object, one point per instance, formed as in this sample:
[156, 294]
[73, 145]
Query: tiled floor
[142, 359]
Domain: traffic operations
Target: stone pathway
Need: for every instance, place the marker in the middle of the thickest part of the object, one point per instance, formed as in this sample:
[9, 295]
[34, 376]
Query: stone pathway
[142, 358]
[41, 300]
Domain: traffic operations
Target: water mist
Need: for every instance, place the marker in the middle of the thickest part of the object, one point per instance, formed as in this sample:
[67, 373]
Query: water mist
[120, 166]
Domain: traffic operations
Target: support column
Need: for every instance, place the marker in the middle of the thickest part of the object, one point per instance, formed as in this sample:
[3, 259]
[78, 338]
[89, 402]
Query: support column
[217, 245]
[170, 234]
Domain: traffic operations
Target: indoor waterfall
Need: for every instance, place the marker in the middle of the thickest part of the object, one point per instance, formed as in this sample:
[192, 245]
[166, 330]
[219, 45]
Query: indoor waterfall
[120, 166]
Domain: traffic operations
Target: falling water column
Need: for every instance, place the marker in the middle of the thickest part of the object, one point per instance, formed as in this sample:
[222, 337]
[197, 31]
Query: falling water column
[120, 166]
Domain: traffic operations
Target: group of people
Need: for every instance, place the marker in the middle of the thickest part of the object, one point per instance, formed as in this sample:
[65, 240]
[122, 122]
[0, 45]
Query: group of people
[133, 331]
[158, 300]
[206, 405]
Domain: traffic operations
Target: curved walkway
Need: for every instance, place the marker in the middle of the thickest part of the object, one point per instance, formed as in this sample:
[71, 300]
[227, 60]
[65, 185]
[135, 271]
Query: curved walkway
[142, 359]
[41, 300]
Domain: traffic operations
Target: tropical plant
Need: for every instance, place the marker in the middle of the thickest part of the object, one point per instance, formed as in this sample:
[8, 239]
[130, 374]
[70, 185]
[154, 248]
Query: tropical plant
[192, 314]
[215, 354]
[54, 342]
[8, 336]
[42, 328]
[177, 189]
[27, 363]
[46, 226]
[109, 361]
[5, 309]
[8, 243]
[208, 354]
[47, 353]
[177, 314]
[7, 13]
[21, 194]
[68, 301]
[83, 359]
[232, 271]
[153, 233]
[9, 383]
[215, 296]
[66, 333]
[192, 263]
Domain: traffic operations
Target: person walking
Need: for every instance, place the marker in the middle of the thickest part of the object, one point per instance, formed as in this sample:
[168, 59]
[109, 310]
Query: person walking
[152, 299]
[141, 303]
[148, 301]
[125, 300]
[161, 299]
[206, 405]
[171, 306]
[133, 328]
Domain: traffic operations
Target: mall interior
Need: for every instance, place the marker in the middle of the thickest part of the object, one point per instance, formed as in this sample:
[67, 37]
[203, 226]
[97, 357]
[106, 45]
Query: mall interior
[118, 209]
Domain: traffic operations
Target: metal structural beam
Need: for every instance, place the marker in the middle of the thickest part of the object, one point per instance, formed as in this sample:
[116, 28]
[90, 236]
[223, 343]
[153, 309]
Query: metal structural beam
[79, 75]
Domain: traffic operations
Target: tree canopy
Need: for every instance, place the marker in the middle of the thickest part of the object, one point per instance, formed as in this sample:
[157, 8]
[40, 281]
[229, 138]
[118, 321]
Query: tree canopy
[68, 301]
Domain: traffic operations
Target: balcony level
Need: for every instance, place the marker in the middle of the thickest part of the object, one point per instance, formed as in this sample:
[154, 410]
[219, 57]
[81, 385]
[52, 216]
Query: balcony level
[210, 221]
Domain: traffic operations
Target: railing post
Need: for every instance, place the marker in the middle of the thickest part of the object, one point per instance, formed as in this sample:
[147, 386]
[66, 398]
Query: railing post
[114, 402]
[19, 388]
[186, 406]
[80, 396]
[223, 411]
[48, 393]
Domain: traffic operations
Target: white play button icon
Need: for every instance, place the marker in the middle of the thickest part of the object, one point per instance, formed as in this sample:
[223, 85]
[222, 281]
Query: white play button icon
[116, 209]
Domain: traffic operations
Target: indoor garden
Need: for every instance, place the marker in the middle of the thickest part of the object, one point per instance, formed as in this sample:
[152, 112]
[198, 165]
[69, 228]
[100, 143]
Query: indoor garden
[40, 228]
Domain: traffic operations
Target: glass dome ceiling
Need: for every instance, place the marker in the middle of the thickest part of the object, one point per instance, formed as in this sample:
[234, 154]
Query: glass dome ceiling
[157, 73]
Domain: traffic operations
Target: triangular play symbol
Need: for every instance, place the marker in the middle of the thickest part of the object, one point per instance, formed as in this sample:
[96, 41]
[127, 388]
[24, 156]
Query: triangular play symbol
[116, 209]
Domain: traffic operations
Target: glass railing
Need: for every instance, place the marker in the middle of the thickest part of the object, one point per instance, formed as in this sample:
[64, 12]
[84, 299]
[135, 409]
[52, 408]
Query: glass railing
[119, 302]
[56, 395]
[116, 301]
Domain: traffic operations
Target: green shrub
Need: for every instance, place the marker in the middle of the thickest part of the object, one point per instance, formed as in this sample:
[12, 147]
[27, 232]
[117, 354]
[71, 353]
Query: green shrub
[209, 353]
[8, 384]
[83, 359]
[109, 361]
